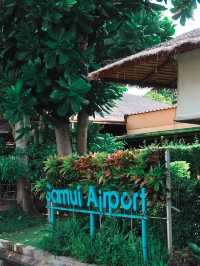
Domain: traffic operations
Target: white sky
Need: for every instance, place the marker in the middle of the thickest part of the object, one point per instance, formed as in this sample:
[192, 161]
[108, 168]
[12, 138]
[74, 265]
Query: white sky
[191, 24]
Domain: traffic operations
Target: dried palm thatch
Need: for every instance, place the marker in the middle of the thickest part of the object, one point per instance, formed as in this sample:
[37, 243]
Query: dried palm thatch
[153, 67]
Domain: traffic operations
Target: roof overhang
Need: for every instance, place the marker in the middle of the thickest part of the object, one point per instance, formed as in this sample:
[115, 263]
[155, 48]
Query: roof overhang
[155, 67]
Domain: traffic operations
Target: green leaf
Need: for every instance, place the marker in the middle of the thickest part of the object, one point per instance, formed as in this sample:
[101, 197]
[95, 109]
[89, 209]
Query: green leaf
[51, 44]
[75, 106]
[21, 55]
[81, 85]
[63, 58]
[62, 82]
[69, 3]
[183, 20]
[50, 59]
[63, 109]
[57, 95]
[19, 85]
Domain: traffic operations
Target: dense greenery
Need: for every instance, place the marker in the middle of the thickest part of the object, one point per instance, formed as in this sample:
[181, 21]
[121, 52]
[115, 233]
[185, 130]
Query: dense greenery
[48, 49]
[121, 169]
[182, 151]
[12, 167]
[129, 170]
[102, 142]
[113, 244]
[163, 95]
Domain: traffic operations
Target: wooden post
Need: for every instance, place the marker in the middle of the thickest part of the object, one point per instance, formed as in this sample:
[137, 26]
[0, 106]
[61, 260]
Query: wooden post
[168, 202]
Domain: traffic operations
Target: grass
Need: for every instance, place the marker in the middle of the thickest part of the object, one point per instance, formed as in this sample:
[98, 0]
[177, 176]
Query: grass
[29, 236]
[21, 228]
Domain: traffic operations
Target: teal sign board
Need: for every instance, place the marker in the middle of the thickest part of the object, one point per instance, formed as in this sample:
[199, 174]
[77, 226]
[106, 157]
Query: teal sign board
[100, 203]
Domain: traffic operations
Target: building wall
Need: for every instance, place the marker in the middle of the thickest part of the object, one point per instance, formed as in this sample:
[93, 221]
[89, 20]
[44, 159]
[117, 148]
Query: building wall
[161, 120]
[189, 87]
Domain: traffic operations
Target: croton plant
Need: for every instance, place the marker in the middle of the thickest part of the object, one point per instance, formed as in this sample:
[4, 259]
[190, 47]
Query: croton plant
[122, 170]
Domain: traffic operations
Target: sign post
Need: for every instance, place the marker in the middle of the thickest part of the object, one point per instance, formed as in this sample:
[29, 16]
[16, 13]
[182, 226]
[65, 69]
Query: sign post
[169, 202]
[100, 203]
[144, 227]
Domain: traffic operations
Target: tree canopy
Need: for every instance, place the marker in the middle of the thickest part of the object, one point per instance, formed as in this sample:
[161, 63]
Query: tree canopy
[48, 47]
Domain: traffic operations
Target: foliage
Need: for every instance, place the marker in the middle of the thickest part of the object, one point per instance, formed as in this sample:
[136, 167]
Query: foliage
[185, 194]
[28, 162]
[15, 220]
[98, 141]
[195, 249]
[163, 95]
[181, 151]
[67, 40]
[12, 167]
[110, 246]
[130, 170]
[180, 170]
[182, 258]
[36, 154]
[121, 169]
[102, 142]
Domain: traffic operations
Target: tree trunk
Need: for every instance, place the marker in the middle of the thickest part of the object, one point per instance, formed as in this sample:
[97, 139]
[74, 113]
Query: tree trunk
[82, 132]
[24, 195]
[63, 138]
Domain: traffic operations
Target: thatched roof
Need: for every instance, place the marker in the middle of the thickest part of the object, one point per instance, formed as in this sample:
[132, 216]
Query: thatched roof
[153, 67]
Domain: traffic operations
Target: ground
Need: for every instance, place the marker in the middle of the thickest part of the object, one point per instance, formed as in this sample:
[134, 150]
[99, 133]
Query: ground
[29, 236]
[21, 228]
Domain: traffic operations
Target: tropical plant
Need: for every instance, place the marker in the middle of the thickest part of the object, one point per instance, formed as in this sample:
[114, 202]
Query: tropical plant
[12, 168]
[195, 249]
[123, 170]
[110, 246]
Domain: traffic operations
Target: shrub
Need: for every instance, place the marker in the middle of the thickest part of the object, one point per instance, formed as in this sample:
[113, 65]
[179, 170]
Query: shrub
[127, 169]
[110, 246]
[132, 169]
[195, 250]
[102, 142]
[12, 167]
